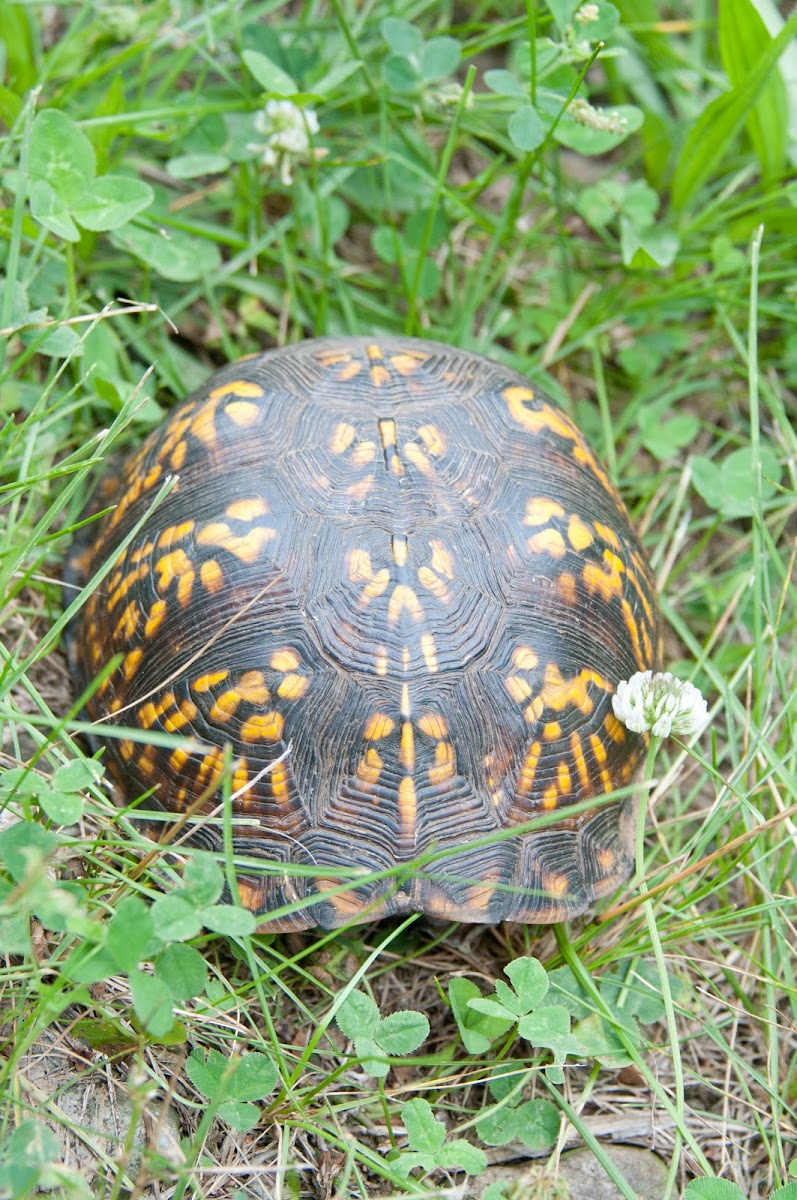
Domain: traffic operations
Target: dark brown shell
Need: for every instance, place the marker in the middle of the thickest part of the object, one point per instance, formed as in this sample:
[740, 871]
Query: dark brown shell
[394, 582]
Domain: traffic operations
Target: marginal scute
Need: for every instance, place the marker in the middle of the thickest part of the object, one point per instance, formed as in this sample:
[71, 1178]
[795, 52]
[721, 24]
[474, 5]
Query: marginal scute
[384, 609]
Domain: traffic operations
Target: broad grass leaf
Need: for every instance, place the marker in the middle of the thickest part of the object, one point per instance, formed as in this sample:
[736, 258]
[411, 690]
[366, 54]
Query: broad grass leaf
[439, 58]
[743, 38]
[526, 129]
[399, 73]
[358, 1016]
[586, 140]
[255, 1077]
[206, 1069]
[498, 1127]
[130, 933]
[203, 879]
[271, 78]
[52, 211]
[529, 979]
[229, 919]
[712, 1189]
[61, 154]
[402, 37]
[459, 1153]
[183, 970]
[240, 1114]
[788, 1192]
[562, 11]
[192, 166]
[24, 843]
[727, 485]
[62, 807]
[111, 202]
[504, 83]
[175, 919]
[402, 1032]
[176, 256]
[478, 1030]
[152, 1001]
[712, 133]
[538, 1123]
[424, 1132]
[548, 1028]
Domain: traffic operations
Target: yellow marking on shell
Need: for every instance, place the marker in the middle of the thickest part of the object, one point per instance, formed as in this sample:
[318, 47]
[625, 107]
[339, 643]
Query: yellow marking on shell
[246, 510]
[564, 778]
[405, 701]
[178, 455]
[293, 686]
[250, 892]
[178, 759]
[240, 781]
[606, 583]
[444, 768]
[203, 426]
[399, 549]
[263, 727]
[280, 782]
[555, 884]
[442, 561]
[242, 413]
[358, 563]
[174, 722]
[552, 731]
[284, 659]
[378, 726]
[135, 558]
[540, 510]
[479, 896]
[582, 454]
[370, 767]
[433, 725]
[247, 548]
[225, 706]
[155, 619]
[534, 711]
[380, 660]
[516, 398]
[128, 622]
[341, 437]
[127, 583]
[430, 580]
[350, 370]
[363, 452]
[578, 533]
[566, 586]
[433, 439]
[210, 768]
[550, 797]
[375, 587]
[189, 709]
[405, 658]
[606, 859]
[212, 576]
[321, 481]
[374, 352]
[402, 599]
[331, 358]
[149, 714]
[176, 565]
[146, 761]
[203, 683]
[360, 489]
[406, 754]
[416, 456]
[379, 375]
[244, 388]
[429, 652]
[614, 728]
[579, 759]
[126, 749]
[547, 541]
[252, 688]
[525, 783]
[407, 805]
[608, 535]
[174, 533]
[599, 752]
[558, 693]
[115, 704]
[524, 658]
[152, 476]
[131, 661]
[642, 661]
[518, 688]
[406, 364]
[387, 434]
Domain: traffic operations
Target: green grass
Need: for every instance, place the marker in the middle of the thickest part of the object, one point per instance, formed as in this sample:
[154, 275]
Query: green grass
[646, 279]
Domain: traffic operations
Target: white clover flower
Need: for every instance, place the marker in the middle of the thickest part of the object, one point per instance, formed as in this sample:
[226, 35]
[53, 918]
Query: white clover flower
[584, 113]
[660, 704]
[587, 14]
[286, 129]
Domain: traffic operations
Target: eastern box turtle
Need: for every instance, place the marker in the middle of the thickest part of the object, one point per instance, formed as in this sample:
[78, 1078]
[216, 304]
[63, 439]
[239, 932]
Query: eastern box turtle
[388, 596]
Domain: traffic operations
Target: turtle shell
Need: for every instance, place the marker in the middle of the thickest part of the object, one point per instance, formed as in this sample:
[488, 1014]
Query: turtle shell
[380, 593]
